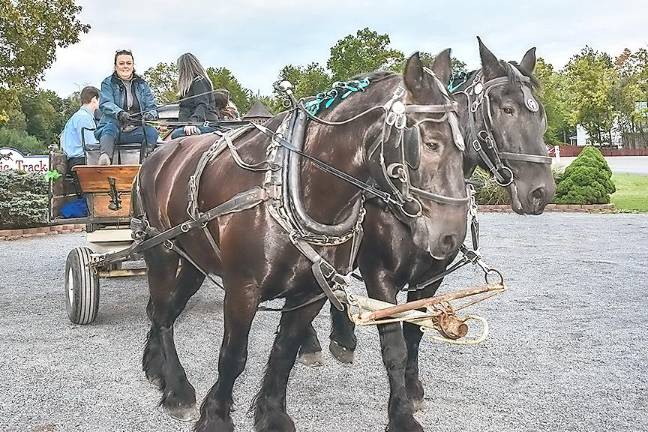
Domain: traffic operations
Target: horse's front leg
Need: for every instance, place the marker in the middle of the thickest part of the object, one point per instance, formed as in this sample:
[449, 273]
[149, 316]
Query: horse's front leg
[413, 335]
[394, 354]
[239, 308]
[160, 362]
[270, 403]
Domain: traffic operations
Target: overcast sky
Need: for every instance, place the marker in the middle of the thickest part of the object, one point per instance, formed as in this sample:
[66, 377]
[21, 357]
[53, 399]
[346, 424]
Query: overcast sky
[256, 38]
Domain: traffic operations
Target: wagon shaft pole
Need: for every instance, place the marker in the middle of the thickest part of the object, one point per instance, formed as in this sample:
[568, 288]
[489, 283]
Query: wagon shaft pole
[418, 304]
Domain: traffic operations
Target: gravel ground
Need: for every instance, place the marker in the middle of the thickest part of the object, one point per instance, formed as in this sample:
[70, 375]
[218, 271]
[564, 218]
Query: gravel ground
[567, 351]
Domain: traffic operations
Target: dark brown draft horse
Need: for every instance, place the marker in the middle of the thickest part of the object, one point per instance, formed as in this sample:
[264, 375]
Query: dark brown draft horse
[504, 125]
[251, 249]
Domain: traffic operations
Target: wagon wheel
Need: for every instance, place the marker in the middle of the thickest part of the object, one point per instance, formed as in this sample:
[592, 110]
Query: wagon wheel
[81, 287]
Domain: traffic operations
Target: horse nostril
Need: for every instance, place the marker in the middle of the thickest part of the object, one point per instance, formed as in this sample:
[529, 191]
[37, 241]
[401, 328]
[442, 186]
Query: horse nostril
[449, 242]
[538, 194]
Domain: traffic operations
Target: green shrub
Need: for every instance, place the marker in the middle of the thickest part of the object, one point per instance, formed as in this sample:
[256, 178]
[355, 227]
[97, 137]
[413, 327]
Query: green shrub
[21, 141]
[487, 190]
[587, 180]
[23, 199]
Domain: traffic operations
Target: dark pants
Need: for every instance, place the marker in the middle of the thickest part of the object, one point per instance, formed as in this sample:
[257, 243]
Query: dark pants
[179, 132]
[74, 161]
[111, 134]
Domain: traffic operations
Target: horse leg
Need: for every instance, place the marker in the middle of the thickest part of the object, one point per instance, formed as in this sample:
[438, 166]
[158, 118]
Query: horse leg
[270, 403]
[160, 362]
[343, 339]
[310, 351]
[239, 308]
[394, 354]
[413, 335]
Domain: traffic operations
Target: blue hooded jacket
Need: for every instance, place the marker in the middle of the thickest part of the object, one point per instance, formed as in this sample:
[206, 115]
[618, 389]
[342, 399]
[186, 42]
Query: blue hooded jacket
[112, 99]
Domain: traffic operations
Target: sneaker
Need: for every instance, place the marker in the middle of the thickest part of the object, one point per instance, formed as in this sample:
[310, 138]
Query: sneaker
[104, 159]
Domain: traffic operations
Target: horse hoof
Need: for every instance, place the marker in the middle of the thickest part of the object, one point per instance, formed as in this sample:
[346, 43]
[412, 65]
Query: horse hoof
[341, 354]
[185, 414]
[404, 424]
[311, 359]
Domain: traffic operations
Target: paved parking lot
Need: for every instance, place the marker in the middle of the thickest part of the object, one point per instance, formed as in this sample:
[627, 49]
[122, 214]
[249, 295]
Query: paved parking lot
[567, 351]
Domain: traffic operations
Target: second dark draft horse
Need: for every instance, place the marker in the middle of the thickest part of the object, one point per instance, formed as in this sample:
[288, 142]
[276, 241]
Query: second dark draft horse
[398, 135]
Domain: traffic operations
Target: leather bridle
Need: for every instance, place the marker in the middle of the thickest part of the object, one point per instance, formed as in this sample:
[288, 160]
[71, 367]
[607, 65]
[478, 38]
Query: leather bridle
[483, 141]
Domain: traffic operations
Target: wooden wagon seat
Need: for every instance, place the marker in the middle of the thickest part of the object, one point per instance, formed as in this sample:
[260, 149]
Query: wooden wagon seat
[94, 178]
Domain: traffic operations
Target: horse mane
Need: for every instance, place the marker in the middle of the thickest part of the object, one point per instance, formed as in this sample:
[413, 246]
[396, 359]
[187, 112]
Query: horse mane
[510, 74]
[375, 76]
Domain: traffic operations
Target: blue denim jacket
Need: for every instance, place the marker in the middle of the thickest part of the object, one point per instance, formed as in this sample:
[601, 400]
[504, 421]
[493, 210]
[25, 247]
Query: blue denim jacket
[113, 97]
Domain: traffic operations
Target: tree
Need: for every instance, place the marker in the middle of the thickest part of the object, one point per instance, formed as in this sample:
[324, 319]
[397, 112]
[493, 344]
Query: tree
[552, 94]
[365, 52]
[306, 80]
[590, 77]
[222, 78]
[43, 111]
[163, 80]
[458, 67]
[629, 97]
[30, 32]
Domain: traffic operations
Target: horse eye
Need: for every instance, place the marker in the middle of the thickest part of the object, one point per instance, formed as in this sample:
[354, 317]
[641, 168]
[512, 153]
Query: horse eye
[432, 145]
[508, 110]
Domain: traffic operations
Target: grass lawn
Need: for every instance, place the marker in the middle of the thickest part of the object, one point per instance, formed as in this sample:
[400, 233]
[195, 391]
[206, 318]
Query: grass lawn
[632, 192]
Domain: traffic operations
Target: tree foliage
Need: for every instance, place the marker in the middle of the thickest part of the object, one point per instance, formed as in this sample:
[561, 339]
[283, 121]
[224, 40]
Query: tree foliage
[163, 80]
[630, 90]
[30, 32]
[44, 114]
[365, 52]
[552, 93]
[306, 80]
[590, 78]
[587, 180]
[21, 140]
[223, 78]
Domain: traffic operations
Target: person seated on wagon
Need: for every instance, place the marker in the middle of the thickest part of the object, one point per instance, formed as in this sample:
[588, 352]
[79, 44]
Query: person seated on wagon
[126, 101]
[199, 103]
[81, 122]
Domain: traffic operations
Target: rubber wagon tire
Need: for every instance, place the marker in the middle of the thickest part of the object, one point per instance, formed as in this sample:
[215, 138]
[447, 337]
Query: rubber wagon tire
[81, 287]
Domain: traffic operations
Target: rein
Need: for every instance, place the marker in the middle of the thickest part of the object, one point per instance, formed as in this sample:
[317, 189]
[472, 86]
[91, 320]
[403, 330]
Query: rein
[395, 112]
[478, 99]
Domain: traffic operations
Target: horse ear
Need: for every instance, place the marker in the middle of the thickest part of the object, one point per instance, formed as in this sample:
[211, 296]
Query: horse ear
[490, 64]
[442, 66]
[414, 76]
[529, 61]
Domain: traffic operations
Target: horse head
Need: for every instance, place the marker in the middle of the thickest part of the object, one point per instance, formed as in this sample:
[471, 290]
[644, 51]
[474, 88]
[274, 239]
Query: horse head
[506, 125]
[422, 159]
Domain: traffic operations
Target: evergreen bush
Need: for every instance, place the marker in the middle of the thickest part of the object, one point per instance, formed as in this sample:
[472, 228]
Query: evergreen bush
[23, 199]
[587, 180]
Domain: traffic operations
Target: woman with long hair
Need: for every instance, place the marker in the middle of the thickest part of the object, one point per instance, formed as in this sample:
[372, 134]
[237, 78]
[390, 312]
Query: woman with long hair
[199, 103]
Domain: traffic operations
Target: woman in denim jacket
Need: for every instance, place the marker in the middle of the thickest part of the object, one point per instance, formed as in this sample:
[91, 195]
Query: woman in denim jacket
[126, 101]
